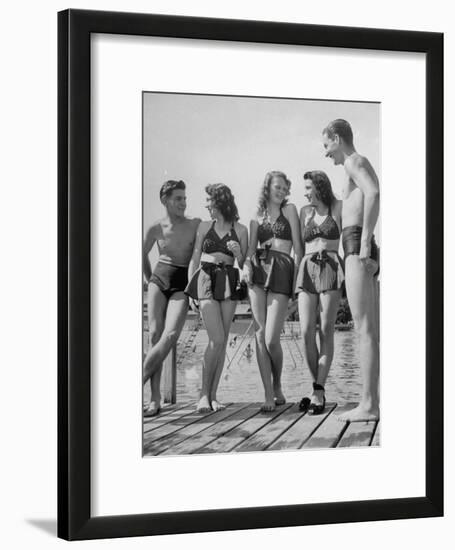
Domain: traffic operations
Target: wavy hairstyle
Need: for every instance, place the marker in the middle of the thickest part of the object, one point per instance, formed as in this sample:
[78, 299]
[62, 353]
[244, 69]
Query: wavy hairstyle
[223, 200]
[169, 186]
[322, 186]
[264, 195]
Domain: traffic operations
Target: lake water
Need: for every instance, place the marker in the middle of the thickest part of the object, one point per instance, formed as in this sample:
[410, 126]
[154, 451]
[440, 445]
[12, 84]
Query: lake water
[240, 380]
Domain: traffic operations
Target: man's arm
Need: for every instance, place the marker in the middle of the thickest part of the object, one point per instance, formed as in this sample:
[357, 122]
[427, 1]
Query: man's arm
[149, 241]
[197, 250]
[363, 175]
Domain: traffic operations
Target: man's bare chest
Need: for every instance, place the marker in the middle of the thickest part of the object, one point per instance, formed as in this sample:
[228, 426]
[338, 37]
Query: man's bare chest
[349, 188]
[181, 235]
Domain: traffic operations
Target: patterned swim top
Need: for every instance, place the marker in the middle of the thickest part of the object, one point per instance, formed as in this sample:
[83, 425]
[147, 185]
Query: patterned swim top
[279, 229]
[328, 229]
[214, 243]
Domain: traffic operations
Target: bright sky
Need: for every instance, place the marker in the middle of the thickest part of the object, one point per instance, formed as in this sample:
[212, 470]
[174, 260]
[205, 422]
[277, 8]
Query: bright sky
[205, 139]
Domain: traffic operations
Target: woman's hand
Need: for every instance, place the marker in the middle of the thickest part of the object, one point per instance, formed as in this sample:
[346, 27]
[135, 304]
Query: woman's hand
[292, 304]
[248, 273]
[194, 305]
[309, 214]
[234, 247]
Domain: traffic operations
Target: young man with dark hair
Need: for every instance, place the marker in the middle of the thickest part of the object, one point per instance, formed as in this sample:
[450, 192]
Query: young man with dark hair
[359, 216]
[167, 304]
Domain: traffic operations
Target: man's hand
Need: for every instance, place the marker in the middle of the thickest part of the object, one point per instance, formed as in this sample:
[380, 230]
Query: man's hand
[364, 256]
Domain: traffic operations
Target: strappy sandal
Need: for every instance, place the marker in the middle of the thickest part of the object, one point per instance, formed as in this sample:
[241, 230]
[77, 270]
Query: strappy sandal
[318, 409]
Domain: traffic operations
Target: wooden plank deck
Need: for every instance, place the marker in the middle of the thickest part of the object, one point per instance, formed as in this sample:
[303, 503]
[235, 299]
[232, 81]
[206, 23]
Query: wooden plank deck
[242, 427]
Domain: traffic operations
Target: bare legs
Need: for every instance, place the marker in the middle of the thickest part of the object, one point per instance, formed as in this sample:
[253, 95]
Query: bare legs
[318, 361]
[269, 312]
[217, 318]
[227, 313]
[166, 320]
[362, 292]
[156, 312]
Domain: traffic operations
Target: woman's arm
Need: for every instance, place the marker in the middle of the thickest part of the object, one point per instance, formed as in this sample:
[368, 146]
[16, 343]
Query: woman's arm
[243, 236]
[290, 211]
[253, 243]
[336, 212]
[306, 214]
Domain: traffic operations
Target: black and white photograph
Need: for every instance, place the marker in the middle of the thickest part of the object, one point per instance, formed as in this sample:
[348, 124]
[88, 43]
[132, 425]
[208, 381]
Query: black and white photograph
[261, 273]
[215, 332]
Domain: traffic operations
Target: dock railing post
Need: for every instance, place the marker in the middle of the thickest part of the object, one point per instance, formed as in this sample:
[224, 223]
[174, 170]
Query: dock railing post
[170, 377]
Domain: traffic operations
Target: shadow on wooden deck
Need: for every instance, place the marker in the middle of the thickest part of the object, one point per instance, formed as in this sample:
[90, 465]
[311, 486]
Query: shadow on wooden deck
[242, 427]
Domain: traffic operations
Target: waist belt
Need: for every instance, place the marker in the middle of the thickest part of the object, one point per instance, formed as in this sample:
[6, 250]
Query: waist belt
[322, 258]
[263, 254]
[218, 273]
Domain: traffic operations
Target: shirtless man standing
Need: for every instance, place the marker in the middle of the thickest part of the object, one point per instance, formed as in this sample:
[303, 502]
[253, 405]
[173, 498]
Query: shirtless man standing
[359, 216]
[167, 304]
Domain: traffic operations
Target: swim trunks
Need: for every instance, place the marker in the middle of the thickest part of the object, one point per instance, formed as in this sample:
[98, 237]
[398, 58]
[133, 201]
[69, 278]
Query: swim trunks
[169, 278]
[352, 237]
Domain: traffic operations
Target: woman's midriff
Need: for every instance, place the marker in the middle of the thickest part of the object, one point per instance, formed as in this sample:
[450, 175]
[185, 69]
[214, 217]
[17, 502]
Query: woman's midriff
[318, 245]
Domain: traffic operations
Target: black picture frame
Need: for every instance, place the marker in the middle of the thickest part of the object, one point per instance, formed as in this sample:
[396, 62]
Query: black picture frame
[75, 521]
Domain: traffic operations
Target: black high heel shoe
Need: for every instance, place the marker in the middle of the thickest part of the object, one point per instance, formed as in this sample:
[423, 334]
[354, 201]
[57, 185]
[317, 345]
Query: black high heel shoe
[305, 403]
[318, 409]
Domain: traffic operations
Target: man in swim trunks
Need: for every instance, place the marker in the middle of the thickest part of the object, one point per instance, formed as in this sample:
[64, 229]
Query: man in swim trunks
[359, 216]
[166, 302]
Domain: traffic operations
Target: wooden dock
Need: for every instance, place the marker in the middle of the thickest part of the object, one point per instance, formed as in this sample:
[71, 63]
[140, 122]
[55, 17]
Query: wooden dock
[242, 427]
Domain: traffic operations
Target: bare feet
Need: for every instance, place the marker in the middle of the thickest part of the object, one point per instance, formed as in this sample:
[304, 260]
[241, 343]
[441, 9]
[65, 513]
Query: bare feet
[217, 405]
[279, 396]
[360, 414]
[153, 408]
[268, 405]
[204, 406]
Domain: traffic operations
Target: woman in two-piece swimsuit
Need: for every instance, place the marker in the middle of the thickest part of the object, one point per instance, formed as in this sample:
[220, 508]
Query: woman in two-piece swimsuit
[214, 283]
[270, 273]
[319, 282]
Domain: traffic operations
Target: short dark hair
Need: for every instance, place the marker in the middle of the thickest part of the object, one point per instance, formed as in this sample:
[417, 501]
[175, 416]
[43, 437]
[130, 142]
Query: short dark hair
[169, 186]
[223, 200]
[322, 185]
[341, 128]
